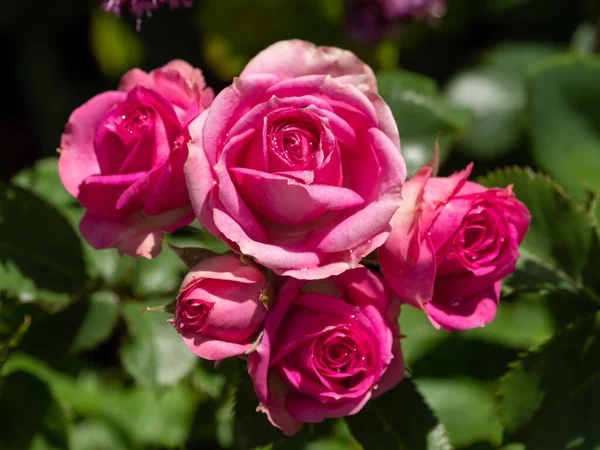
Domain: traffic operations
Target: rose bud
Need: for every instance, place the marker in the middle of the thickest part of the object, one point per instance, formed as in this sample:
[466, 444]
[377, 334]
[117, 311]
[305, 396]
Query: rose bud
[327, 348]
[451, 244]
[219, 307]
[122, 155]
[297, 165]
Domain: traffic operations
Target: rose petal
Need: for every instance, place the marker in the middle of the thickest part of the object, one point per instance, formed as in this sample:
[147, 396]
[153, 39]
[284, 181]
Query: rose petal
[77, 157]
[465, 313]
[227, 268]
[101, 194]
[296, 58]
[214, 349]
[289, 202]
[407, 258]
[135, 235]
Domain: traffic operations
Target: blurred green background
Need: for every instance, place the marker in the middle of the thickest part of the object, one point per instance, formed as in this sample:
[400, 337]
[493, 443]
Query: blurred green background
[505, 82]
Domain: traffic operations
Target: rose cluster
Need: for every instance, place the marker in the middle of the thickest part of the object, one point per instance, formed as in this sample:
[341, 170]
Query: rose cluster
[297, 167]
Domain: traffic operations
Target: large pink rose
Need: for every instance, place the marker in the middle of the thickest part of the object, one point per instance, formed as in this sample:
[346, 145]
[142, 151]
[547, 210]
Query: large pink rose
[297, 164]
[122, 155]
[327, 348]
[219, 308]
[451, 244]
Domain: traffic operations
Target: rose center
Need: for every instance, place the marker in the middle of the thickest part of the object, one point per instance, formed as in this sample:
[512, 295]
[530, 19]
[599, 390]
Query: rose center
[192, 315]
[338, 355]
[132, 122]
[293, 139]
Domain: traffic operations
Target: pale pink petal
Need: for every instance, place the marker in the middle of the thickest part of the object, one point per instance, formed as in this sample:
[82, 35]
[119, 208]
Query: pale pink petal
[226, 267]
[214, 349]
[199, 176]
[296, 58]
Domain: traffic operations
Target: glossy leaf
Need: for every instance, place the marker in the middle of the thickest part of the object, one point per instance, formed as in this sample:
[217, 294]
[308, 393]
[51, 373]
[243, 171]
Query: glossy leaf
[99, 322]
[466, 408]
[155, 354]
[251, 428]
[399, 419]
[31, 417]
[548, 399]
[35, 265]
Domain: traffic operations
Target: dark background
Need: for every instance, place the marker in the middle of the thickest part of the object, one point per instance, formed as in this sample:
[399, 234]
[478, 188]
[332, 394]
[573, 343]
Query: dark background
[51, 62]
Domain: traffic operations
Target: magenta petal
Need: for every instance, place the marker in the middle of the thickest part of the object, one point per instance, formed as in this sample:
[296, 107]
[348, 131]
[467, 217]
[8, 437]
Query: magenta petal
[407, 258]
[259, 361]
[289, 202]
[305, 409]
[295, 58]
[465, 313]
[100, 194]
[77, 157]
[135, 235]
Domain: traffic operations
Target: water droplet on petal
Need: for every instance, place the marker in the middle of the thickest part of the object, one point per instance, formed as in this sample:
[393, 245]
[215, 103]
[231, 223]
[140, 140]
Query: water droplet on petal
[455, 302]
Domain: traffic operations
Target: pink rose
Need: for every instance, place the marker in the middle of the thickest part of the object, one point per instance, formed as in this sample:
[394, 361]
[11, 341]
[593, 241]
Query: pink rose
[297, 164]
[219, 308]
[328, 347]
[122, 156]
[451, 244]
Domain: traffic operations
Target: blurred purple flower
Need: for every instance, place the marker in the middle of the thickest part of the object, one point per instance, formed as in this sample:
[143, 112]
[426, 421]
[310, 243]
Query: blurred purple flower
[370, 20]
[140, 8]
[398, 9]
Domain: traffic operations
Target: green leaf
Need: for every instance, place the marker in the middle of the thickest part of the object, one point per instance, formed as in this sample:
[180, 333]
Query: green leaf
[31, 418]
[99, 323]
[421, 113]
[157, 276]
[555, 250]
[37, 265]
[520, 323]
[144, 419]
[495, 91]
[155, 354]
[465, 407]
[94, 435]
[14, 323]
[564, 116]
[43, 180]
[399, 419]
[549, 398]
[251, 428]
[421, 335]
